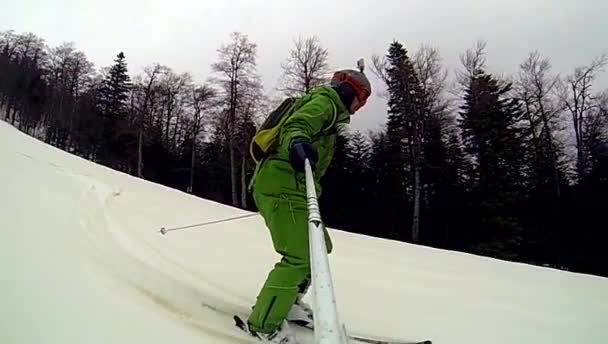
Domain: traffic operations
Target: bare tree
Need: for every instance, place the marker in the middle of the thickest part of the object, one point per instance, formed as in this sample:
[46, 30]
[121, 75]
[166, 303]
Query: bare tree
[7, 47]
[251, 104]
[27, 52]
[379, 68]
[575, 92]
[427, 64]
[596, 125]
[473, 62]
[69, 74]
[236, 63]
[305, 68]
[535, 87]
[148, 88]
[79, 79]
[182, 98]
[8, 44]
[432, 77]
[173, 90]
[201, 101]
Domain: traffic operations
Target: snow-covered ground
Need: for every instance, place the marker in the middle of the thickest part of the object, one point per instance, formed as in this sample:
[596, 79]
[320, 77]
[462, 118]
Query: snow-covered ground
[82, 261]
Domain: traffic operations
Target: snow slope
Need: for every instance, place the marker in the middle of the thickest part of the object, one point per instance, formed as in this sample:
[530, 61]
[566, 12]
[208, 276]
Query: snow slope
[81, 261]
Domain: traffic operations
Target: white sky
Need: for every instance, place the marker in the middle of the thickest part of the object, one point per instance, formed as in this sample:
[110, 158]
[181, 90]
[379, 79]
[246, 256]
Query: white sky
[184, 35]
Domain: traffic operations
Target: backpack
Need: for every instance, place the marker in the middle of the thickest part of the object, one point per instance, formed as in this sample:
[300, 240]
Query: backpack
[266, 139]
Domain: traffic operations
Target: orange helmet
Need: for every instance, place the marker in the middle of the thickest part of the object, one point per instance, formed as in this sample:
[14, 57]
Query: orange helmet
[356, 79]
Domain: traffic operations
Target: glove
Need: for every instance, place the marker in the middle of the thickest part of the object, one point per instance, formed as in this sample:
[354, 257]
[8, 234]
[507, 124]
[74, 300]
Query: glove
[301, 150]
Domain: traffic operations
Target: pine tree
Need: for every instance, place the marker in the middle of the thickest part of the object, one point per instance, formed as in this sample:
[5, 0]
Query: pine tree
[457, 178]
[361, 211]
[114, 91]
[387, 198]
[437, 175]
[116, 137]
[405, 128]
[336, 185]
[492, 138]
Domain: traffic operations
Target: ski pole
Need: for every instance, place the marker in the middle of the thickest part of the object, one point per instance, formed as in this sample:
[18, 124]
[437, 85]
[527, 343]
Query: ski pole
[164, 230]
[326, 320]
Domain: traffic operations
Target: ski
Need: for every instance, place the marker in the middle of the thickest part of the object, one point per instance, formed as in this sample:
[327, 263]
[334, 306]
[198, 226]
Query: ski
[378, 341]
[242, 325]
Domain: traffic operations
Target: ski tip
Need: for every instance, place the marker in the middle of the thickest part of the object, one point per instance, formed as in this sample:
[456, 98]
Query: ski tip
[238, 321]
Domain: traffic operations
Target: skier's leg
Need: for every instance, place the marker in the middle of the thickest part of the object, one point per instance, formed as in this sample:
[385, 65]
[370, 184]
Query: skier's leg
[287, 219]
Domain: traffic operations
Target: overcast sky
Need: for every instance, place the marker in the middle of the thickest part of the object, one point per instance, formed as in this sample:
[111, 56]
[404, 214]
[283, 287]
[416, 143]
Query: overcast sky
[185, 34]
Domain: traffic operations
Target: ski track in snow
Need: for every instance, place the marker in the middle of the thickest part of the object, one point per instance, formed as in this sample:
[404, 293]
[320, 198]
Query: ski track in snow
[83, 261]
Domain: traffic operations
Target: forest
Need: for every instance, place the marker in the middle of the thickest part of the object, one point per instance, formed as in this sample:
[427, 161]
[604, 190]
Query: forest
[513, 167]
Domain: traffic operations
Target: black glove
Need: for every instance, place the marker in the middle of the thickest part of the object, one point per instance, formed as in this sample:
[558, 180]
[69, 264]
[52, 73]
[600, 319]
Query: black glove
[301, 150]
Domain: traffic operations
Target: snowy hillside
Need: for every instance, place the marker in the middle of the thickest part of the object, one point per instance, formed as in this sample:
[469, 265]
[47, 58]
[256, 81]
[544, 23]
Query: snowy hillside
[81, 261]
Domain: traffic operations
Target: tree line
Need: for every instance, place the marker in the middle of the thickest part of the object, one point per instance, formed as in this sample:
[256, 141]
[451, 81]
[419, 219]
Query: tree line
[507, 166]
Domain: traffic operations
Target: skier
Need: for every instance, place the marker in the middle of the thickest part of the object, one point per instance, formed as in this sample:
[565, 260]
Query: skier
[279, 191]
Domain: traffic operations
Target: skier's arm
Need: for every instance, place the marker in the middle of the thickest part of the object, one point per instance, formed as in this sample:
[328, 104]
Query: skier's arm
[307, 121]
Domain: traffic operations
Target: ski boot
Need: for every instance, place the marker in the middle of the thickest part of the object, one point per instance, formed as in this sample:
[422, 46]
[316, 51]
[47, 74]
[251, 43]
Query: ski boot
[301, 314]
[282, 335]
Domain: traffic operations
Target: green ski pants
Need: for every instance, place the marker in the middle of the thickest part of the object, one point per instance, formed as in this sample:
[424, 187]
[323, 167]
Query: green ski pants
[287, 219]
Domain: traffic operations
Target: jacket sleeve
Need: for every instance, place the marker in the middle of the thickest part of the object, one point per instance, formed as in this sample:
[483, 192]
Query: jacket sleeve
[307, 121]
